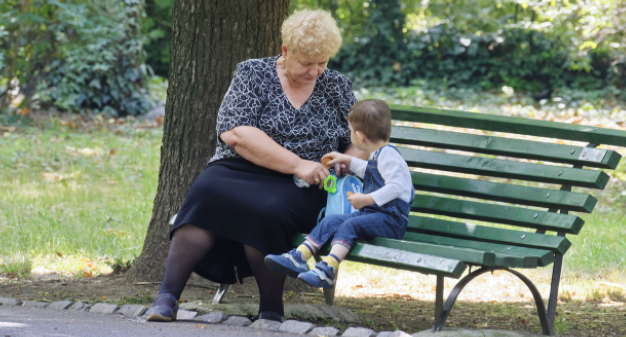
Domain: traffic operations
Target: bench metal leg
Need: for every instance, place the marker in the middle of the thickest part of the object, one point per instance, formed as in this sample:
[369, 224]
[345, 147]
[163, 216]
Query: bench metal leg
[439, 303]
[541, 307]
[558, 263]
[554, 290]
[329, 294]
[220, 293]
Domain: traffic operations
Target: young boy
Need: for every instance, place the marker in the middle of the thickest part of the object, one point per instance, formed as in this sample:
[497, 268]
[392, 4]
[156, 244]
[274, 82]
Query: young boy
[383, 208]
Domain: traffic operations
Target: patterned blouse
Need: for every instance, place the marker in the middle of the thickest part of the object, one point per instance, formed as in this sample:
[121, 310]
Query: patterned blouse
[256, 98]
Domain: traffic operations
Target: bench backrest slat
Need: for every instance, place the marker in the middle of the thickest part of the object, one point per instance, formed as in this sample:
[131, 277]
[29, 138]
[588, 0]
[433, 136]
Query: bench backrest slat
[503, 214]
[454, 229]
[514, 194]
[519, 148]
[516, 125]
[504, 168]
[513, 256]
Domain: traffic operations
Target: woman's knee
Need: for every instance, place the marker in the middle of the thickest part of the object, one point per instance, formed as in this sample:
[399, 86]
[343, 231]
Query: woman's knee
[191, 235]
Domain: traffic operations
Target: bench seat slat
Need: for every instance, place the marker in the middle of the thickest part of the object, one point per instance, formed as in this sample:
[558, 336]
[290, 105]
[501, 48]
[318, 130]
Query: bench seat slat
[515, 194]
[506, 255]
[399, 259]
[504, 168]
[497, 213]
[519, 148]
[516, 125]
[471, 256]
[454, 229]
[394, 258]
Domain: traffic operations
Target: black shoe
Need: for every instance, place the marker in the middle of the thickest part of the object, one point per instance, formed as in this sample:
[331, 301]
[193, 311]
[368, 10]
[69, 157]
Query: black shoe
[271, 316]
[162, 313]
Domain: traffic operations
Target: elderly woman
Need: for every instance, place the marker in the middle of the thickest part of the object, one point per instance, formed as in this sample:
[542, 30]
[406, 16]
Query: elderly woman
[279, 117]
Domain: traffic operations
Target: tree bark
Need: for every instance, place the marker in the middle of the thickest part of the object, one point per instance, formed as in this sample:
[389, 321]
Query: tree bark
[209, 38]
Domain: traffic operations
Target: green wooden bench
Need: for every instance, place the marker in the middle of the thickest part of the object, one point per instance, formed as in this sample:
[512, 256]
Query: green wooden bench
[517, 193]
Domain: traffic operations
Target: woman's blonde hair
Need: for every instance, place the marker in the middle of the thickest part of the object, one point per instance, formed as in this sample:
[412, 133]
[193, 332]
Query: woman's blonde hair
[312, 32]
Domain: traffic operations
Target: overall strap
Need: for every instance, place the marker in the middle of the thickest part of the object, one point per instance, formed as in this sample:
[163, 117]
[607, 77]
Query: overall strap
[377, 152]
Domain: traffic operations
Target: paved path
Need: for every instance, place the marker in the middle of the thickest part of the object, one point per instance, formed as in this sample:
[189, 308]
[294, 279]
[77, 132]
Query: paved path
[69, 319]
[37, 322]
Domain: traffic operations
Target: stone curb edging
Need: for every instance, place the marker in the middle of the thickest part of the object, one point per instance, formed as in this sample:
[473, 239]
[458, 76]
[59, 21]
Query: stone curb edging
[137, 311]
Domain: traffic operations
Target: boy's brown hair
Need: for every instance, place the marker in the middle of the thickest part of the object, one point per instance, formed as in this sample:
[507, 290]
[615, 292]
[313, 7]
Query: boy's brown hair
[373, 118]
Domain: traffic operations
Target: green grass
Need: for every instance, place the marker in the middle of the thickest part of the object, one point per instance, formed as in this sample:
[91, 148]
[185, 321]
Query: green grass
[600, 248]
[78, 200]
[16, 266]
[71, 194]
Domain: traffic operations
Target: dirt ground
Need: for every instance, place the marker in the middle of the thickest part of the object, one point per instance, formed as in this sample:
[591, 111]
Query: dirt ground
[409, 309]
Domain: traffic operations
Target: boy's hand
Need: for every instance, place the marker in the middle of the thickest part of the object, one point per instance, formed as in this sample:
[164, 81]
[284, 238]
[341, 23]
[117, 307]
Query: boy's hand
[333, 158]
[360, 200]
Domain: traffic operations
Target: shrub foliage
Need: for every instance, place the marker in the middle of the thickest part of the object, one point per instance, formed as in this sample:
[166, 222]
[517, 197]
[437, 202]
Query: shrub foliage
[77, 56]
[96, 55]
[482, 44]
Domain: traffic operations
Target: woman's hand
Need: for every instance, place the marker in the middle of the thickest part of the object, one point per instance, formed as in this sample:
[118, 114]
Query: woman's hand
[360, 200]
[311, 172]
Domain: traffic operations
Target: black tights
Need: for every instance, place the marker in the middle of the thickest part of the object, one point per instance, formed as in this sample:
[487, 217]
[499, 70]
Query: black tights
[270, 284]
[191, 244]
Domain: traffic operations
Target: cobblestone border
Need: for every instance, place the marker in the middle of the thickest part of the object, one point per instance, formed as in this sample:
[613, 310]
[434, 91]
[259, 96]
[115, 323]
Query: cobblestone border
[137, 311]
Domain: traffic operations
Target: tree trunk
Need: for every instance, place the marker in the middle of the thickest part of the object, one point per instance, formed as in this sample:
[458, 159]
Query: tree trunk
[209, 38]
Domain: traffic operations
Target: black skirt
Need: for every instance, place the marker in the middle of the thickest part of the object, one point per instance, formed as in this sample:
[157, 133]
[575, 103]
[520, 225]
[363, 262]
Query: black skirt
[245, 204]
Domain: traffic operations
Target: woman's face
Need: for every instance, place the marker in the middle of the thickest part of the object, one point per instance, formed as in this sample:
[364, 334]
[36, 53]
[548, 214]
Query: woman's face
[304, 69]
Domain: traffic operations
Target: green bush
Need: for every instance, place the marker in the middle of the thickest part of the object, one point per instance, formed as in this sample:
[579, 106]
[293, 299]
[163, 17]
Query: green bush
[78, 56]
[156, 27]
[483, 44]
[479, 44]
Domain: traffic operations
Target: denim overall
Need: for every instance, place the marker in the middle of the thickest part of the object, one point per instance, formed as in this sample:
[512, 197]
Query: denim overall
[388, 221]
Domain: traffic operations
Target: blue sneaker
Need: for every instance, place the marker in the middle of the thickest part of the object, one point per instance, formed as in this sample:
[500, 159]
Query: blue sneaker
[322, 276]
[162, 312]
[292, 263]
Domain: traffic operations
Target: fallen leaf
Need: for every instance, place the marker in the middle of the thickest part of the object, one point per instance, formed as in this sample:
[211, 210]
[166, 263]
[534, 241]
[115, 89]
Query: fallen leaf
[112, 152]
[70, 124]
[115, 232]
[8, 128]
